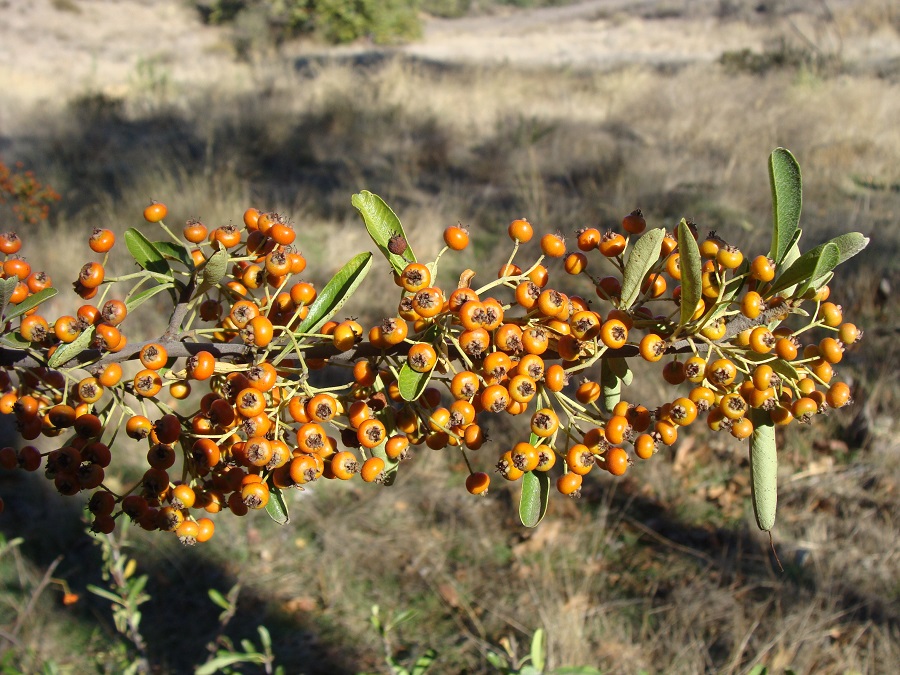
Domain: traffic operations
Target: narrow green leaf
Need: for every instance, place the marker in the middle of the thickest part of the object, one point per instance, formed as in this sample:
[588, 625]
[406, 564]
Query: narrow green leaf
[849, 245]
[175, 251]
[16, 341]
[787, 201]
[139, 299]
[72, 349]
[829, 258]
[382, 224]
[29, 302]
[691, 272]
[136, 586]
[424, 662]
[265, 638]
[812, 264]
[218, 599]
[538, 649]
[277, 508]
[644, 255]
[763, 469]
[336, 292]
[7, 286]
[535, 497]
[103, 593]
[145, 253]
[412, 383]
[219, 663]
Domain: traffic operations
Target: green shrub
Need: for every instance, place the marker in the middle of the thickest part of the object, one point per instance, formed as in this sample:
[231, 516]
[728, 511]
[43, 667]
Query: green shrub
[337, 21]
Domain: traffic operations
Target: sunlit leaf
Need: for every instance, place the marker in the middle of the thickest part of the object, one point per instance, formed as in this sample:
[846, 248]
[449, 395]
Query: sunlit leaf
[812, 264]
[382, 224]
[174, 251]
[276, 507]
[31, 301]
[787, 201]
[691, 272]
[7, 287]
[763, 470]
[145, 253]
[218, 599]
[535, 497]
[412, 383]
[336, 292]
[70, 350]
[829, 258]
[140, 298]
[644, 255]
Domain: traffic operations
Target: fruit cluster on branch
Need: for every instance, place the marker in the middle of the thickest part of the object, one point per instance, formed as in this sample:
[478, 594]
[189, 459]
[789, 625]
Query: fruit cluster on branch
[232, 414]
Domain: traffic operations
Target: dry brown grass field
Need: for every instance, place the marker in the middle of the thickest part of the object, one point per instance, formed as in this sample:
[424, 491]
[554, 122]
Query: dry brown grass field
[569, 116]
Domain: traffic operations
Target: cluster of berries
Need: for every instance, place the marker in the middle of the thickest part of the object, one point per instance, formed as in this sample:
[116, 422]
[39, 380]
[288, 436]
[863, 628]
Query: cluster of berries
[228, 404]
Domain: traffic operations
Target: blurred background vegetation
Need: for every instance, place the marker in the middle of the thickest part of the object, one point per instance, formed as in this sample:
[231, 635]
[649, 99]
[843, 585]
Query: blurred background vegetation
[662, 571]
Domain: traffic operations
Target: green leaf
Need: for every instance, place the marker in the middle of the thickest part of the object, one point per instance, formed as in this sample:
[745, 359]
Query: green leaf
[277, 508]
[29, 302]
[619, 366]
[412, 383]
[219, 599]
[763, 469]
[72, 349]
[175, 251]
[145, 253]
[644, 255]
[214, 269]
[611, 383]
[538, 649]
[103, 593]
[691, 272]
[848, 244]
[336, 292]
[224, 659]
[829, 258]
[382, 224]
[811, 265]
[16, 341]
[139, 299]
[265, 638]
[423, 663]
[7, 286]
[787, 201]
[535, 497]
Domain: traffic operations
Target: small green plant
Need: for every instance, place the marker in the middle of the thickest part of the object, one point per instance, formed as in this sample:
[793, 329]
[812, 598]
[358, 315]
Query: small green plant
[224, 655]
[126, 593]
[416, 666]
[534, 662]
